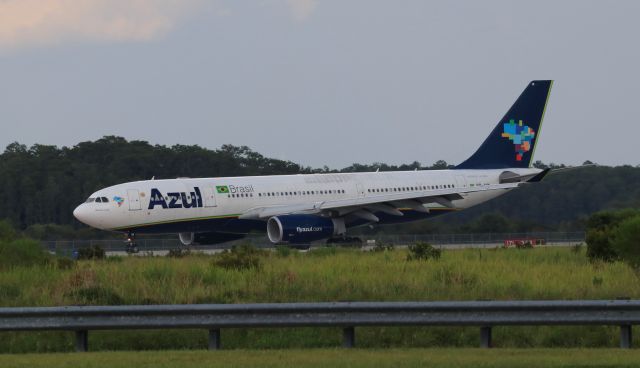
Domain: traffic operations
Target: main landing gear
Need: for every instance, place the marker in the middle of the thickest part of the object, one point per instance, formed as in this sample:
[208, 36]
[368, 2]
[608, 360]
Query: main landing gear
[345, 241]
[132, 247]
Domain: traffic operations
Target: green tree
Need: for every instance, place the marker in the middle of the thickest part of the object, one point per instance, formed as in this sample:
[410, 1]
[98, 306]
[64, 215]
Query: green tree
[601, 228]
[7, 232]
[491, 223]
[626, 241]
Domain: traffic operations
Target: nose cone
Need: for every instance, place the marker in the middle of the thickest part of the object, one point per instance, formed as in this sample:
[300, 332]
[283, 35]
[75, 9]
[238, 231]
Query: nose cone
[80, 213]
[89, 216]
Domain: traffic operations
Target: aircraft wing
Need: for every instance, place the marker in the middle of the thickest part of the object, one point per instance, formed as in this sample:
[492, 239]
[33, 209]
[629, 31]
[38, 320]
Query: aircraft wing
[364, 207]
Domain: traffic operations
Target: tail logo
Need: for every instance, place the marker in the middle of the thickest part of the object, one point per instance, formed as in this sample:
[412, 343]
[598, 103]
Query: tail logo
[521, 136]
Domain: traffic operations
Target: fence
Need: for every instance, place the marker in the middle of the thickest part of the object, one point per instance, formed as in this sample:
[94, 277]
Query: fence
[348, 316]
[442, 240]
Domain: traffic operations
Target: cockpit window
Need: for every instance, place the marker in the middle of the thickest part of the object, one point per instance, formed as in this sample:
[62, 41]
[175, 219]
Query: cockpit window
[105, 200]
[89, 200]
[98, 200]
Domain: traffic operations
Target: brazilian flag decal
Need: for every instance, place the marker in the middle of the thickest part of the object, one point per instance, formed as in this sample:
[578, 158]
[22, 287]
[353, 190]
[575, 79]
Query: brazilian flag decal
[223, 189]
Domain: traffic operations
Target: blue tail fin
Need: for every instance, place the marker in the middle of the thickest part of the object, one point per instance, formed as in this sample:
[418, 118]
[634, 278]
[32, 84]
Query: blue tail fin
[513, 142]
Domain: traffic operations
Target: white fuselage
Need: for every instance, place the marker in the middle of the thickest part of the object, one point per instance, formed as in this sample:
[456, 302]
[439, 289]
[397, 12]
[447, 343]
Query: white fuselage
[181, 205]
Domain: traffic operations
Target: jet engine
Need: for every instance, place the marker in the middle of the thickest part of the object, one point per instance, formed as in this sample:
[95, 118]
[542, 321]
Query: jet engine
[302, 229]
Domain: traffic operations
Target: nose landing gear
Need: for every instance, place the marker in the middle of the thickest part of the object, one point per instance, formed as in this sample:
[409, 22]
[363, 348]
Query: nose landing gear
[132, 247]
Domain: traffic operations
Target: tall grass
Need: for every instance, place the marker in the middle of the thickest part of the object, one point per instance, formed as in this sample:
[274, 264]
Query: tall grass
[323, 275]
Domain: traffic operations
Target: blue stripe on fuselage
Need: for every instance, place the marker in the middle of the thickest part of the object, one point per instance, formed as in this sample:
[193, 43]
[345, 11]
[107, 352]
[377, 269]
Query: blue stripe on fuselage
[243, 226]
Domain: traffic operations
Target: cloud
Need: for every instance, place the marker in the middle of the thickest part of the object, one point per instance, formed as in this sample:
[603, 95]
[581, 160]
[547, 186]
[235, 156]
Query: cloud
[302, 9]
[45, 22]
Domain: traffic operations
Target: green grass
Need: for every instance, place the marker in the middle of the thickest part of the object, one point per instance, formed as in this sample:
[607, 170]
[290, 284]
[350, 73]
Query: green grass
[322, 275]
[472, 358]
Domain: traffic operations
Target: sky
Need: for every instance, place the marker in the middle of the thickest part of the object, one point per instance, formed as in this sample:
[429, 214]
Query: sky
[321, 82]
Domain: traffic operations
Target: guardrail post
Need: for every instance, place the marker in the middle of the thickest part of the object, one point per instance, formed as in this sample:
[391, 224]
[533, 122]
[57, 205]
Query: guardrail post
[348, 337]
[625, 337]
[82, 341]
[214, 339]
[485, 337]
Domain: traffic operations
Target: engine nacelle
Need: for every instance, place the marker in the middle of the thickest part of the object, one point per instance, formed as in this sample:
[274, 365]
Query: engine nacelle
[208, 238]
[186, 238]
[302, 229]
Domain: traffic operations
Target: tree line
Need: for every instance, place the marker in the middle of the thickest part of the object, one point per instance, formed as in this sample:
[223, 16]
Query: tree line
[42, 184]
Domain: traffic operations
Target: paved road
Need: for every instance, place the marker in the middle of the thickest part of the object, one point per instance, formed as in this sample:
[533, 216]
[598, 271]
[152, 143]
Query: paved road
[365, 248]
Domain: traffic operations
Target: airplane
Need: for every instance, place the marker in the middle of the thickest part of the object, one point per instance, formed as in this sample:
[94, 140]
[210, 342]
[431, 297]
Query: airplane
[300, 209]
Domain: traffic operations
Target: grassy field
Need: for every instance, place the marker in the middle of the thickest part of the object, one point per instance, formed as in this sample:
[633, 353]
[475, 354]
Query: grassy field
[327, 274]
[472, 358]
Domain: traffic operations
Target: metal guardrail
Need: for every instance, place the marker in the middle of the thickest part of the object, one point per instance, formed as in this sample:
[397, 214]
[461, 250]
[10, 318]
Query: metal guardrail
[347, 315]
[442, 240]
